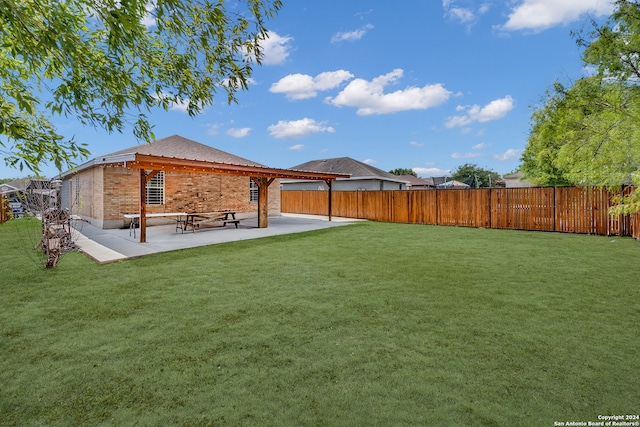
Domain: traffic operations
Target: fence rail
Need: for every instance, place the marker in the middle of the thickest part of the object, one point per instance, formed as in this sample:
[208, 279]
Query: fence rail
[566, 210]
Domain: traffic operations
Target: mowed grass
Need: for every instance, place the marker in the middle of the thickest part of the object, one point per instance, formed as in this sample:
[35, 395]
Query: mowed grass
[364, 325]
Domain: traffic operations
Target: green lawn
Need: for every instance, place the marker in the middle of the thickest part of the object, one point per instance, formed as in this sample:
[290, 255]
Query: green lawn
[370, 324]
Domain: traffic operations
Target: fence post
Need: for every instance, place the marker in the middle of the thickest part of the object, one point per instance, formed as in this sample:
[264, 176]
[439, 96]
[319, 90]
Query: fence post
[490, 205]
[555, 207]
[437, 208]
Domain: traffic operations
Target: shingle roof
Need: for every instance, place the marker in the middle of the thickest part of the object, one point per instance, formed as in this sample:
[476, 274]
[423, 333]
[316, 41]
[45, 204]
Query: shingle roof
[346, 165]
[176, 146]
[416, 182]
[19, 184]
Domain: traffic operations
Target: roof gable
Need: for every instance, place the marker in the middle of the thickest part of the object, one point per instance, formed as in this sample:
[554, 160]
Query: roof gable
[178, 147]
[348, 166]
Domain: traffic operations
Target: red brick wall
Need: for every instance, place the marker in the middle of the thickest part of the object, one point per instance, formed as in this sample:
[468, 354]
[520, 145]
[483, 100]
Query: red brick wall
[108, 192]
[192, 192]
[120, 193]
[206, 193]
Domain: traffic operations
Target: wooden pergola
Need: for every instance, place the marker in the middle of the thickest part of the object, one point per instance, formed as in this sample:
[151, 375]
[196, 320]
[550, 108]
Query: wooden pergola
[150, 165]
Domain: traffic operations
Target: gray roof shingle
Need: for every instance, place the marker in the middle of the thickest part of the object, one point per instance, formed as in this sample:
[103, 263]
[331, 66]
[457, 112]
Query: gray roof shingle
[178, 147]
[345, 165]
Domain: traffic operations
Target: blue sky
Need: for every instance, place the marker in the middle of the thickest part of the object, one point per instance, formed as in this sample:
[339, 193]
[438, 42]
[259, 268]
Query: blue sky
[421, 84]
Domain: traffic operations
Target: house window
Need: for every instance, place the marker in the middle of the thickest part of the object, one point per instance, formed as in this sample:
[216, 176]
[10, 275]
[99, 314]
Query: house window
[253, 191]
[155, 189]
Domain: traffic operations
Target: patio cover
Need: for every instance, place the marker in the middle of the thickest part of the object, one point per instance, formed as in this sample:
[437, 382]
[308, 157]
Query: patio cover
[150, 165]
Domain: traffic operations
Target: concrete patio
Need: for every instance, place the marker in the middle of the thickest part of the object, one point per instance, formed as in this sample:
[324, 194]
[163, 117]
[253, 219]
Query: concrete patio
[104, 246]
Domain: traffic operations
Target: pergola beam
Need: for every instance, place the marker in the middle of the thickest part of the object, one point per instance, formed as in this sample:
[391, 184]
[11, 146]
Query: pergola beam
[158, 163]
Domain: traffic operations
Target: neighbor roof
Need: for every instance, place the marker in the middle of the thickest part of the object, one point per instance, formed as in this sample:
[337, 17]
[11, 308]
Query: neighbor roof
[417, 182]
[17, 184]
[453, 184]
[348, 166]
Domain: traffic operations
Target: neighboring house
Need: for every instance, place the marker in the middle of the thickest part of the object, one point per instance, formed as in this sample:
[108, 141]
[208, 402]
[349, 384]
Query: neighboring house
[436, 180]
[452, 184]
[13, 192]
[514, 180]
[28, 194]
[14, 188]
[102, 190]
[363, 176]
[415, 183]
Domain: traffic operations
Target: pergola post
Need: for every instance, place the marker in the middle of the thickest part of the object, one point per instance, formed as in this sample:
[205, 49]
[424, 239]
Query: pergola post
[263, 184]
[144, 178]
[329, 182]
[143, 206]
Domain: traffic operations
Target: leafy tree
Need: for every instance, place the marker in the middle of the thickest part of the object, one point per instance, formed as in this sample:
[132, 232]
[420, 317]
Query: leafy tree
[108, 63]
[403, 171]
[589, 134]
[613, 47]
[585, 135]
[475, 176]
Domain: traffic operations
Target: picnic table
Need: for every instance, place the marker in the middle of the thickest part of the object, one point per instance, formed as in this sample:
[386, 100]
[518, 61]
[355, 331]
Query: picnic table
[194, 220]
[186, 219]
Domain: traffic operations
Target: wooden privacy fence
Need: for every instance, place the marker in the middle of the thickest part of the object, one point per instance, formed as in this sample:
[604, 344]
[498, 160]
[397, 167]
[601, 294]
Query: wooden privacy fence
[5, 212]
[567, 210]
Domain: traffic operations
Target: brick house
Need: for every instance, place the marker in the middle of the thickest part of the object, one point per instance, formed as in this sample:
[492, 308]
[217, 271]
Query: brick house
[104, 189]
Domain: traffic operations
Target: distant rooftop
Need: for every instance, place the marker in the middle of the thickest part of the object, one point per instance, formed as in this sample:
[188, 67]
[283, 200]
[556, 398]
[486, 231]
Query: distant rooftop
[349, 166]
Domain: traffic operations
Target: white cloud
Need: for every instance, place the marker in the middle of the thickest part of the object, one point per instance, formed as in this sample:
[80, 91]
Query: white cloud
[149, 20]
[481, 146]
[465, 155]
[296, 147]
[431, 172]
[416, 144]
[303, 86]
[464, 15]
[213, 129]
[484, 8]
[369, 96]
[238, 132]
[298, 128]
[369, 161]
[461, 14]
[511, 153]
[181, 106]
[494, 110]
[352, 35]
[538, 15]
[275, 48]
